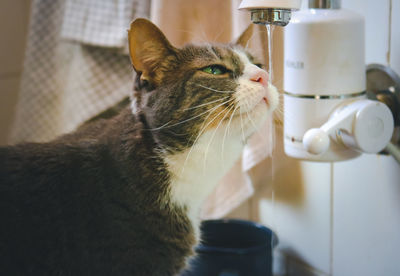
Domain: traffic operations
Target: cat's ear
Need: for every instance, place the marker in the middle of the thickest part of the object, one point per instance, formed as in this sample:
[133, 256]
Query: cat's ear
[245, 37]
[148, 48]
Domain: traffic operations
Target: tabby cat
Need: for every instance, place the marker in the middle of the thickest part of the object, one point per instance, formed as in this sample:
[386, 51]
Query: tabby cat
[121, 196]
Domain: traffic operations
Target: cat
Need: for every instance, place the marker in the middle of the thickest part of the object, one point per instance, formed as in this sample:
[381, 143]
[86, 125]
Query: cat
[121, 196]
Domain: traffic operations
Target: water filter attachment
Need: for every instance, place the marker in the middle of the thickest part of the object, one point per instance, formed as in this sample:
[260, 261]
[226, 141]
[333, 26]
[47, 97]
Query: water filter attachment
[325, 106]
[362, 125]
[327, 116]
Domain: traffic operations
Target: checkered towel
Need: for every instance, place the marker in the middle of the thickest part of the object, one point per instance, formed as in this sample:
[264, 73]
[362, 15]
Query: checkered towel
[101, 22]
[75, 64]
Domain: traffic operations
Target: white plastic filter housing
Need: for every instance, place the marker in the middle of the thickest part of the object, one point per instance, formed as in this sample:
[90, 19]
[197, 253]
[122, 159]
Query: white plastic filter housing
[265, 4]
[324, 67]
[324, 53]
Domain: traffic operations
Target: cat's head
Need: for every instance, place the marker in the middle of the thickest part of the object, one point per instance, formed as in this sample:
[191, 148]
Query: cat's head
[187, 92]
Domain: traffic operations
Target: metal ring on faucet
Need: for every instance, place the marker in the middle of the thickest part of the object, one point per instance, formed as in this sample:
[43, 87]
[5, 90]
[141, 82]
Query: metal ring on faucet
[326, 97]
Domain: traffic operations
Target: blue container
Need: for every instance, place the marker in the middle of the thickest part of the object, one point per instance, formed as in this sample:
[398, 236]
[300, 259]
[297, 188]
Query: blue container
[233, 248]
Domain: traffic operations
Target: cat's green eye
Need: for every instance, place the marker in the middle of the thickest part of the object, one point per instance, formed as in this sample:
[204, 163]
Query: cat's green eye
[215, 70]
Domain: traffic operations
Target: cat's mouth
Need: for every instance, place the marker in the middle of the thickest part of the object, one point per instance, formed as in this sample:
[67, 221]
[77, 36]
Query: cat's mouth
[265, 99]
[270, 98]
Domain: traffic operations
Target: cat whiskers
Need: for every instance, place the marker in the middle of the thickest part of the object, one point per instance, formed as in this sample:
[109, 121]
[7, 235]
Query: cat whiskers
[215, 90]
[227, 130]
[256, 129]
[167, 125]
[215, 131]
[204, 104]
[280, 116]
[241, 126]
[206, 118]
[202, 130]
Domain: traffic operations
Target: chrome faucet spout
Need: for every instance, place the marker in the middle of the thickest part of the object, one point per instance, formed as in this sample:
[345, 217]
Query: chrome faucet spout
[273, 16]
[270, 12]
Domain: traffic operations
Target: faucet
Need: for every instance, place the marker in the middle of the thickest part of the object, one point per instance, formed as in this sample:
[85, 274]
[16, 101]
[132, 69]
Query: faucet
[273, 12]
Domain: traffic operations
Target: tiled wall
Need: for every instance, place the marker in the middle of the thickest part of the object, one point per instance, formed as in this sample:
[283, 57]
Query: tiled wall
[14, 16]
[339, 219]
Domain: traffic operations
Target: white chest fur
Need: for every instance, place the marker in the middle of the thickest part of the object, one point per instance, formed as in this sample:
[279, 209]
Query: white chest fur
[196, 171]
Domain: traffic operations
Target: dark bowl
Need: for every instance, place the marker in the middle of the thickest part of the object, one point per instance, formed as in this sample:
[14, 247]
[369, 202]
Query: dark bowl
[232, 247]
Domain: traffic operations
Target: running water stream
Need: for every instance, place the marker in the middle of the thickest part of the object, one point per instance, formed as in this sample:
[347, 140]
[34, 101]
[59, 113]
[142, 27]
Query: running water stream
[271, 133]
[270, 31]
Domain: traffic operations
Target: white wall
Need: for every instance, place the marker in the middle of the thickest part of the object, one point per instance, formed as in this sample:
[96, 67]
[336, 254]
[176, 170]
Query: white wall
[339, 219]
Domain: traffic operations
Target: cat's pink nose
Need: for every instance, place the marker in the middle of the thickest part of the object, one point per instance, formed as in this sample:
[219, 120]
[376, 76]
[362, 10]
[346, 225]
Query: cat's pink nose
[260, 76]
